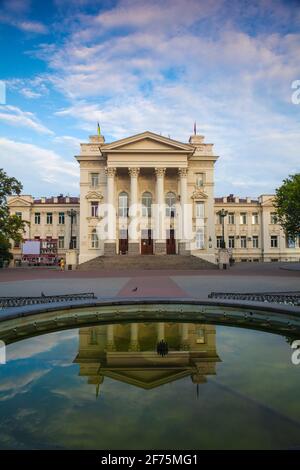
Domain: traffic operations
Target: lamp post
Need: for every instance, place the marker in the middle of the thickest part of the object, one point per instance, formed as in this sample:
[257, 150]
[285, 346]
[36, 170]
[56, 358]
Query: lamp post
[72, 213]
[222, 214]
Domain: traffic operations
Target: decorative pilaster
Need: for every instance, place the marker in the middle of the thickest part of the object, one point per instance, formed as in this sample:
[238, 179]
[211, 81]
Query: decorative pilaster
[160, 229]
[183, 244]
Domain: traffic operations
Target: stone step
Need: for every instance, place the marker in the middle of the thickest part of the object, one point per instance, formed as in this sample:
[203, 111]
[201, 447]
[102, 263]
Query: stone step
[146, 262]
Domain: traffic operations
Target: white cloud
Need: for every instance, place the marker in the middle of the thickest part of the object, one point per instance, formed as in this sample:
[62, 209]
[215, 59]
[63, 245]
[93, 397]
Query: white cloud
[15, 116]
[161, 65]
[29, 93]
[42, 170]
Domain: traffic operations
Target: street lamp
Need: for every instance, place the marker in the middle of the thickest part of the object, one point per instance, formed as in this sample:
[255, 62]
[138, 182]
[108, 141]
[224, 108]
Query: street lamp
[72, 213]
[222, 214]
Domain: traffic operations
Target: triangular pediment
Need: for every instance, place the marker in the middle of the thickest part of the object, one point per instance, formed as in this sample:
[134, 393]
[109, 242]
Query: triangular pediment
[148, 142]
[18, 202]
[147, 379]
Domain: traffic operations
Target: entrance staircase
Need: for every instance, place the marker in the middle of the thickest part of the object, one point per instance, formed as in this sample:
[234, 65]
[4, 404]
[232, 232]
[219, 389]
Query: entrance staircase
[122, 262]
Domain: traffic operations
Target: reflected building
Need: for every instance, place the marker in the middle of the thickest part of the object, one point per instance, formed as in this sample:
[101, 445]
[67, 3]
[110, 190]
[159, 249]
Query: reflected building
[128, 353]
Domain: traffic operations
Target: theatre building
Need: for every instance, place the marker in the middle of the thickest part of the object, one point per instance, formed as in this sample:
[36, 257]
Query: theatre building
[152, 195]
[171, 181]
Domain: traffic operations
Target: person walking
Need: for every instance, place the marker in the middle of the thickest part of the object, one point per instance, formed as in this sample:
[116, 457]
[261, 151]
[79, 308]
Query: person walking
[62, 264]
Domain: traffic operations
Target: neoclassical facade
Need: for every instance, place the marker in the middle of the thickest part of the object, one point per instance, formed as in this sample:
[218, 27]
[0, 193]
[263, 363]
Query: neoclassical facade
[146, 194]
[127, 353]
[149, 194]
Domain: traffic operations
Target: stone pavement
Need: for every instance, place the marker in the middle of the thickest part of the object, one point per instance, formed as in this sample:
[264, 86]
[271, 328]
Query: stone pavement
[252, 277]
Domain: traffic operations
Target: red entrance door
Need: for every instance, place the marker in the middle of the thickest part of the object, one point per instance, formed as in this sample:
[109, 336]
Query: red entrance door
[171, 243]
[146, 243]
[123, 242]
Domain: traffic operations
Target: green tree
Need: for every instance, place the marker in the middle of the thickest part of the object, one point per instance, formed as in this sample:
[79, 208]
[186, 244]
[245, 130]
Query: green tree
[11, 226]
[287, 205]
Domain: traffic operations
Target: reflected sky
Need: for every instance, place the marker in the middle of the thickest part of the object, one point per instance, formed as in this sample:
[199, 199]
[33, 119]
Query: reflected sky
[247, 390]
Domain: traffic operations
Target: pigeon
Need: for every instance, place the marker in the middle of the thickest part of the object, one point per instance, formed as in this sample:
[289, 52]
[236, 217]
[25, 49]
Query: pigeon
[42, 294]
[135, 289]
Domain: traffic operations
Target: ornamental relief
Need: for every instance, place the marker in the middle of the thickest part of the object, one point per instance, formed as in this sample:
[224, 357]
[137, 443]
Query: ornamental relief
[94, 195]
[198, 194]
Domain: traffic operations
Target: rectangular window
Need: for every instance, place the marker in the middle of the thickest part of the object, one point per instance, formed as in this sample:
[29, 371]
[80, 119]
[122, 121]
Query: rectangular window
[37, 218]
[219, 242]
[274, 241]
[61, 242]
[219, 219]
[243, 218]
[273, 218]
[243, 242]
[255, 241]
[200, 210]
[199, 180]
[231, 242]
[200, 239]
[19, 214]
[94, 208]
[255, 218]
[231, 218]
[74, 217]
[61, 218]
[94, 239]
[95, 180]
[73, 243]
[49, 218]
[16, 244]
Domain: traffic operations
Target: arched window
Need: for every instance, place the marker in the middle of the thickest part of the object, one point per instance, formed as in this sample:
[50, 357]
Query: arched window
[94, 239]
[146, 204]
[123, 204]
[170, 204]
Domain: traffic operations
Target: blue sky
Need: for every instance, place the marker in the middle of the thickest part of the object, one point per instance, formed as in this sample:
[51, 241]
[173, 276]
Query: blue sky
[150, 65]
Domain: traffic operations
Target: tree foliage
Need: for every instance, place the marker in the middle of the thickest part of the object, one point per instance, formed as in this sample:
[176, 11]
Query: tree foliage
[287, 204]
[11, 226]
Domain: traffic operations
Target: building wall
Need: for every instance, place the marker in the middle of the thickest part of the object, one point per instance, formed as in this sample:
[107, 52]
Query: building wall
[28, 207]
[146, 152]
[264, 230]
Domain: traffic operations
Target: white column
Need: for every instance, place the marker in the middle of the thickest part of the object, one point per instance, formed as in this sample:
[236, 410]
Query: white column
[110, 338]
[134, 337]
[133, 212]
[185, 216]
[160, 331]
[184, 343]
[111, 209]
[160, 229]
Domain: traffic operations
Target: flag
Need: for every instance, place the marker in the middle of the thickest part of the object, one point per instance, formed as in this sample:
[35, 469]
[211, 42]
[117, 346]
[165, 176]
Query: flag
[195, 128]
[98, 129]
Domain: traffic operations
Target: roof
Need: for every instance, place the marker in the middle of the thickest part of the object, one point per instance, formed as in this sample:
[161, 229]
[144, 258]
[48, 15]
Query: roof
[231, 200]
[59, 199]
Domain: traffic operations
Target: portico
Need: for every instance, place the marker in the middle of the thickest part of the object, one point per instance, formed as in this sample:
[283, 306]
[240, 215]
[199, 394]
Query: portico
[146, 195]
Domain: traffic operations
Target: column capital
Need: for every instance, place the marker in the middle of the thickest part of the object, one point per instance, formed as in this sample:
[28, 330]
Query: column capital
[110, 171]
[134, 172]
[160, 172]
[183, 172]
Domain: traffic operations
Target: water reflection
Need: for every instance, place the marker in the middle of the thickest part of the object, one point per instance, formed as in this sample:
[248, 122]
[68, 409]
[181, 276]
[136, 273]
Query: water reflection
[128, 353]
[250, 400]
